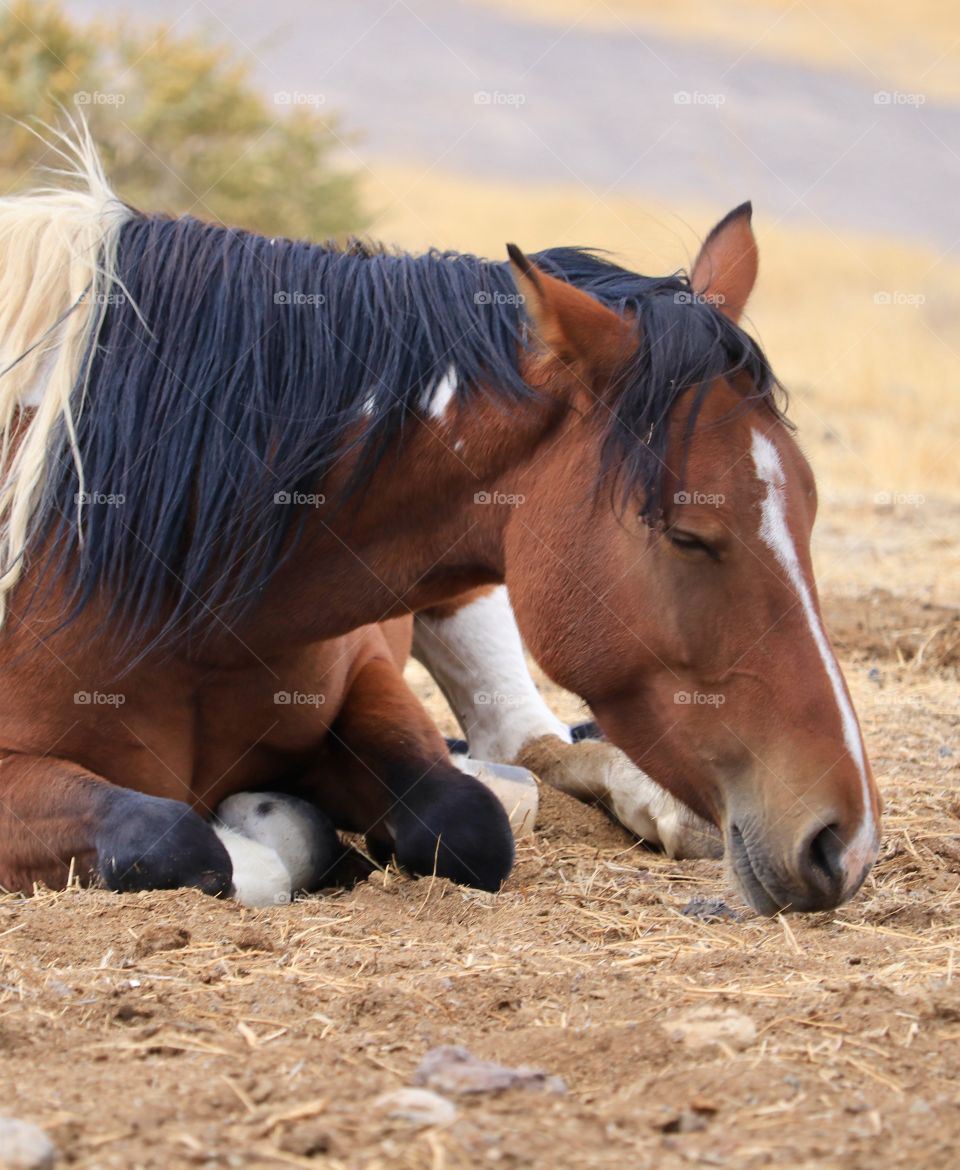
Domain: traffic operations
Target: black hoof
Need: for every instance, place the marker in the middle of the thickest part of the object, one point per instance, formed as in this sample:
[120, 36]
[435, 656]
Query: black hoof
[149, 843]
[451, 825]
[589, 730]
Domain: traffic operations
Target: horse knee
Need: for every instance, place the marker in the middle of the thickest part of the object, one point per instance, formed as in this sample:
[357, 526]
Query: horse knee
[150, 843]
[451, 825]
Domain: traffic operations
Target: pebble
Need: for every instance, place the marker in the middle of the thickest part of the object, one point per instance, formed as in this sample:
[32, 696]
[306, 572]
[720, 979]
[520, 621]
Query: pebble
[710, 910]
[24, 1146]
[452, 1069]
[700, 1027]
[421, 1107]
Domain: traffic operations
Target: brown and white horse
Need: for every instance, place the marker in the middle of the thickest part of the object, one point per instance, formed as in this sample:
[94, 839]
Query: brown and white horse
[236, 466]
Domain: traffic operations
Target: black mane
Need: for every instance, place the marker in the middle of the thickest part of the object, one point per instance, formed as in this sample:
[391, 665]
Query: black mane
[230, 368]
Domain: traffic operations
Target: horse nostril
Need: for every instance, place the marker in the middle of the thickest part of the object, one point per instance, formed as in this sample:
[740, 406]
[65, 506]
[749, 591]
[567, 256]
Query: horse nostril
[824, 856]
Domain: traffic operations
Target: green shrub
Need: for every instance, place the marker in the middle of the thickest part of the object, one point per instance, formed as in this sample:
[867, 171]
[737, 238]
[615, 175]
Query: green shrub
[180, 125]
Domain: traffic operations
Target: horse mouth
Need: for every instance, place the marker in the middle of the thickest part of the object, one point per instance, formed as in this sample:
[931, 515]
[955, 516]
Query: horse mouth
[752, 888]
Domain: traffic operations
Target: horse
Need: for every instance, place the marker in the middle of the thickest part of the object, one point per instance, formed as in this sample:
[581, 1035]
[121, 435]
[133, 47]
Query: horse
[235, 465]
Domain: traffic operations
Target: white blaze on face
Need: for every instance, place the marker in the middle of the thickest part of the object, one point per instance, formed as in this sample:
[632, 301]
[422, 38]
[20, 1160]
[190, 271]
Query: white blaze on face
[775, 534]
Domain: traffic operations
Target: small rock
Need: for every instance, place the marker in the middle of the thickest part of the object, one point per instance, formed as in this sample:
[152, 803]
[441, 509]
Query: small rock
[945, 751]
[421, 1107]
[703, 1026]
[127, 1012]
[710, 910]
[307, 1139]
[452, 1069]
[24, 1146]
[686, 1121]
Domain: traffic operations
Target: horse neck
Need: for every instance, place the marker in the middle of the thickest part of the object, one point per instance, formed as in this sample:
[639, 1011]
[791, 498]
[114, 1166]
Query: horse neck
[429, 525]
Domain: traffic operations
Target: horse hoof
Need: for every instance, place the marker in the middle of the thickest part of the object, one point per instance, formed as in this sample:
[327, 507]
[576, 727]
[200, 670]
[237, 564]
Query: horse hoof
[150, 843]
[450, 825]
[515, 788]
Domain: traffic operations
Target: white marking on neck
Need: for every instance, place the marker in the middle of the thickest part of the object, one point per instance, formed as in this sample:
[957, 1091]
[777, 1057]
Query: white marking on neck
[775, 534]
[443, 393]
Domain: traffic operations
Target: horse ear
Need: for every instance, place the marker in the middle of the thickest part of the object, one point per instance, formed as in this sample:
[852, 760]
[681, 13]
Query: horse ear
[726, 269]
[569, 323]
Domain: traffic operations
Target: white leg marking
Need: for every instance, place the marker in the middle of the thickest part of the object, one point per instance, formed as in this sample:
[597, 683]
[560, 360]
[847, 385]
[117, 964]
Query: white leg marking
[259, 876]
[277, 821]
[654, 814]
[477, 659]
[775, 534]
[443, 393]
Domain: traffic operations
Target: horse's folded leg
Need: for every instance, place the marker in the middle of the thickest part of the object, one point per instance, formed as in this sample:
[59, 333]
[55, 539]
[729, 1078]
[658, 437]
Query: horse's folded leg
[151, 843]
[56, 818]
[390, 778]
[596, 770]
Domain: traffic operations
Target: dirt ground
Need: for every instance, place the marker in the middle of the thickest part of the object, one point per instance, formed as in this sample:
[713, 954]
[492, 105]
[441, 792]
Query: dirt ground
[168, 1029]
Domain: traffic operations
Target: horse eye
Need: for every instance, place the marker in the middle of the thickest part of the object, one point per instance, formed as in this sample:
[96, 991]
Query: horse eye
[691, 543]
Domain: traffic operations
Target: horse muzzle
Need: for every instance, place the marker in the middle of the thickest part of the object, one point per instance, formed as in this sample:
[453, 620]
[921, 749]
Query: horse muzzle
[817, 868]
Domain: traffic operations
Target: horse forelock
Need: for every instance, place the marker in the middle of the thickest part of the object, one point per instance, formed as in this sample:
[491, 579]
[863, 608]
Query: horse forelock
[684, 343]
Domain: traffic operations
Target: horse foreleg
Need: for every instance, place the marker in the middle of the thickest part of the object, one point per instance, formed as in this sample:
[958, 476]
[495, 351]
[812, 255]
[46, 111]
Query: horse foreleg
[385, 772]
[476, 656]
[56, 818]
[474, 653]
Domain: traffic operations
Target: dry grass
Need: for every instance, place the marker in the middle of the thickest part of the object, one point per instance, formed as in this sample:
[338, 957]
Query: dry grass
[880, 42]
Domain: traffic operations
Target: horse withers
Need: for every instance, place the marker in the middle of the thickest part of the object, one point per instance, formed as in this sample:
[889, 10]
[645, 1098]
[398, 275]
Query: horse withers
[230, 459]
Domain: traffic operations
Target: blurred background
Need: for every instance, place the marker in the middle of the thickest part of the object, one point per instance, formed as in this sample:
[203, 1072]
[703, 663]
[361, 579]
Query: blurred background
[629, 125]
